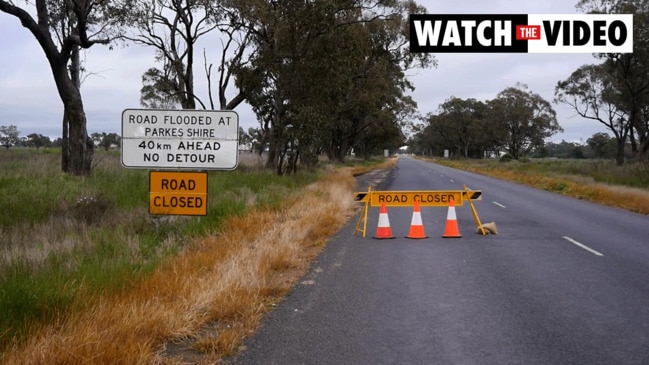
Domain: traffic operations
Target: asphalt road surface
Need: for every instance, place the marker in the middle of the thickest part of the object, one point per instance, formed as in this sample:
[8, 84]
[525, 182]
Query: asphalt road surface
[564, 282]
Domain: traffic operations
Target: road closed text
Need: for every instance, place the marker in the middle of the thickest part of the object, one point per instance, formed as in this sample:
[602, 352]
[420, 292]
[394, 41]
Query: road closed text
[173, 201]
[177, 193]
[177, 203]
[408, 198]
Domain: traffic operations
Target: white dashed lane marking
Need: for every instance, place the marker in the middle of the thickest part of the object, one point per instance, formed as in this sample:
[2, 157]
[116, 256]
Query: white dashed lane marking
[581, 245]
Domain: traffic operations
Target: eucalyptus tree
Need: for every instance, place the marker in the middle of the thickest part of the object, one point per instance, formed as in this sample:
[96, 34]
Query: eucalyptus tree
[282, 34]
[591, 91]
[173, 29]
[38, 140]
[326, 75]
[372, 83]
[9, 136]
[427, 140]
[460, 126]
[160, 89]
[61, 28]
[106, 140]
[602, 145]
[629, 72]
[527, 118]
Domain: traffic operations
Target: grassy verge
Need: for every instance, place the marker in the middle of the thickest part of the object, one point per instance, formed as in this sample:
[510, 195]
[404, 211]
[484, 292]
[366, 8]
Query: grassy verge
[88, 277]
[603, 182]
[64, 237]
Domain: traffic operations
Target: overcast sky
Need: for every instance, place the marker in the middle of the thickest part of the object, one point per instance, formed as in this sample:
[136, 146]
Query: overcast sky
[28, 97]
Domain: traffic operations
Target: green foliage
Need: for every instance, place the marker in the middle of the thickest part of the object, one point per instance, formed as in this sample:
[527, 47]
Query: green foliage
[526, 117]
[517, 120]
[9, 136]
[106, 140]
[614, 91]
[602, 145]
[462, 127]
[37, 140]
[352, 100]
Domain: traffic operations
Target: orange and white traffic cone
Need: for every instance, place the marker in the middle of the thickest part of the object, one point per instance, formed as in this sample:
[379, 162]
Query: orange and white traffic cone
[452, 229]
[416, 225]
[383, 230]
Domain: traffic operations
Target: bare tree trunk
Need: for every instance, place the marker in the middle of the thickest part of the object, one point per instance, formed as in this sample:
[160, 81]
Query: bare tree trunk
[65, 144]
[643, 151]
[80, 146]
[276, 137]
[75, 76]
[619, 155]
[274, 150]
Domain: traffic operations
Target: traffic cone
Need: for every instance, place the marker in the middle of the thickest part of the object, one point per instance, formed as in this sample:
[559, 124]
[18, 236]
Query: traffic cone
[383, 230]
[452, 230]
[416, 225]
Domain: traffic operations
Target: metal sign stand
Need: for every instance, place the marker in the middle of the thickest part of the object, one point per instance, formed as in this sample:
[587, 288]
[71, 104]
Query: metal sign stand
[474, 212]
[363, 217]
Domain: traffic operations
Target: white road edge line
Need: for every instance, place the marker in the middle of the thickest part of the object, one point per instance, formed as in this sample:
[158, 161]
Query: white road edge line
[500, 205]
[583, 246]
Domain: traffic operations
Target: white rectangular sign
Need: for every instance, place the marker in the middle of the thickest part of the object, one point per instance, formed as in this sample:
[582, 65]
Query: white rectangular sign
[180, 139]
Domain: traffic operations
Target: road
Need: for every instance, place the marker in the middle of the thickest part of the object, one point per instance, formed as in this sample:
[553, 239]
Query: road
[564, 282]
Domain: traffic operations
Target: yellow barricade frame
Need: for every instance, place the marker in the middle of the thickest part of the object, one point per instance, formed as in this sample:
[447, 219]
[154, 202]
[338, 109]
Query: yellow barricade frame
[431, 198]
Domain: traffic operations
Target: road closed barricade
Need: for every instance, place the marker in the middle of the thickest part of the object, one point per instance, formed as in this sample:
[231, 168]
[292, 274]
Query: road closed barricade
[416, 199]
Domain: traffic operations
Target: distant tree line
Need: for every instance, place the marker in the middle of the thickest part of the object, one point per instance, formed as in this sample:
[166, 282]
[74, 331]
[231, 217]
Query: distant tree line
[598, 146]
[516, 121]
[10, 137]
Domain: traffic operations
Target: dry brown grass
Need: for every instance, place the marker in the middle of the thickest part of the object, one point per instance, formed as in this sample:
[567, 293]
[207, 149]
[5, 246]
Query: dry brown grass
[632, 199]
[43, 240]
[199, 306]
[581, 187]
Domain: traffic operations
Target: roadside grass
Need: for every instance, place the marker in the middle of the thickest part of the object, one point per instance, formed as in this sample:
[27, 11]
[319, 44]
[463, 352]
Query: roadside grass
[83, 232]
[599, 181]
[99, 281]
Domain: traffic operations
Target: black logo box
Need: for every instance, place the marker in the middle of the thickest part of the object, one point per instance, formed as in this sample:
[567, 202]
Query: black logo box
[517, 46]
